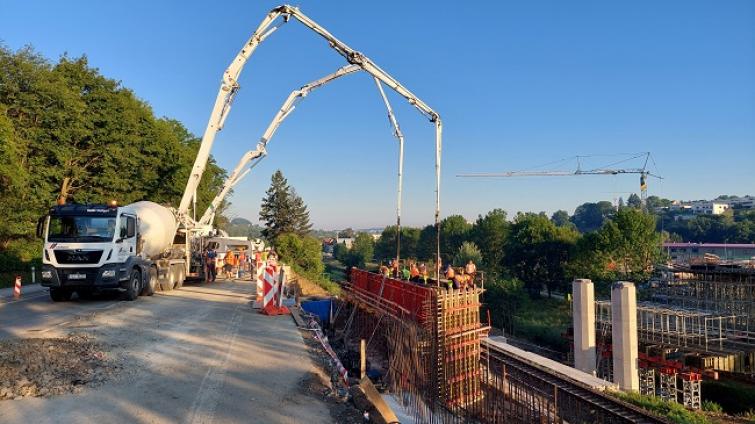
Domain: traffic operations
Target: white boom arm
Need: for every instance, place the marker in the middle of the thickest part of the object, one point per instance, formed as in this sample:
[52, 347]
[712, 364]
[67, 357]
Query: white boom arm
[236, 175]
[229, 87]
[288, 106]
[400, 137]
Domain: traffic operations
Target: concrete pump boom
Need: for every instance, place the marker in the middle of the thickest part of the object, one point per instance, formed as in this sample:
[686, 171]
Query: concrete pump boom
[288, 106]
[229, 87]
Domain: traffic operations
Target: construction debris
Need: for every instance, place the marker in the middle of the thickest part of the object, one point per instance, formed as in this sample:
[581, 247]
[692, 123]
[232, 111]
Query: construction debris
[49, 367]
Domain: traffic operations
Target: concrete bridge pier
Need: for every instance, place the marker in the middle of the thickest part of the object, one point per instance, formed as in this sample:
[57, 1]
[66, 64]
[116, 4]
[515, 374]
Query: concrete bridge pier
[624, 335]
[583, 293]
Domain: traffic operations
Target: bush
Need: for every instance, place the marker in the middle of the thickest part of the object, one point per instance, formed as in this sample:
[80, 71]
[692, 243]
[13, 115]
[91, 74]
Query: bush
[675, 412]
[304, 255]
[710, 406]
[732, 396]
[301, 252]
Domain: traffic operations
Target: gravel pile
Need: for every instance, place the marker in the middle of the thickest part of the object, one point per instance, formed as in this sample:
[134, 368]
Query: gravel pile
[48, 367]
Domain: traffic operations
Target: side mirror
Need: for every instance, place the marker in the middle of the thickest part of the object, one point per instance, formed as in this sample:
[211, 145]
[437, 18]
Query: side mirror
[41, 226]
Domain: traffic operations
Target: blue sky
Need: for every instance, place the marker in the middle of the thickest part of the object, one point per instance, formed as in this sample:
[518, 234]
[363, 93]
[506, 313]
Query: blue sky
[518, 84]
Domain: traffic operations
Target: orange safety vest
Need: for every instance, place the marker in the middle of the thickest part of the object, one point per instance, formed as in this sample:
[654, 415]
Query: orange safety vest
[414, 271]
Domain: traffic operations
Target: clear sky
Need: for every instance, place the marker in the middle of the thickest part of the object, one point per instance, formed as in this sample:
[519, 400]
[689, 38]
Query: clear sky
[518, 84]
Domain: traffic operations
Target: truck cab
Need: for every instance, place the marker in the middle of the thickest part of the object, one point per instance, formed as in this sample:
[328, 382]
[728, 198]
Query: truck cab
[91, 248]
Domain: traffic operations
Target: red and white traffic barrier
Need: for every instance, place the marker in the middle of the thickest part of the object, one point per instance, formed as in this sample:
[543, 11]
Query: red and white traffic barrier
[272, 299]
[259, 270]
[17, 287]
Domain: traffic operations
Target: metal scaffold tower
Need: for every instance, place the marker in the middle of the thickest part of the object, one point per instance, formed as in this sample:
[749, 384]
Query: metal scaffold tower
[668, 384]
[647, 381]
[691, 383]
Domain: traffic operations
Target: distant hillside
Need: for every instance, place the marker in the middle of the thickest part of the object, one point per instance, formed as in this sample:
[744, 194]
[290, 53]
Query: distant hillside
[241, 221]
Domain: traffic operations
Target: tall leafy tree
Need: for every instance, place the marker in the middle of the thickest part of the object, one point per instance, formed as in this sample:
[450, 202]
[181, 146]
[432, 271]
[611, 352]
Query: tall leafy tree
[67, 122]
[454, 230]
[283, 211]
[560, 218]
[490, 233]
[385, 247]
[537, 252]
[591, 216]
[634, 201]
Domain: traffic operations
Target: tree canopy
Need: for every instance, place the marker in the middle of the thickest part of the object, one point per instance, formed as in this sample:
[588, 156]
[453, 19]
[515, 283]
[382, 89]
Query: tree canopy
[65, 120]
[283, 211]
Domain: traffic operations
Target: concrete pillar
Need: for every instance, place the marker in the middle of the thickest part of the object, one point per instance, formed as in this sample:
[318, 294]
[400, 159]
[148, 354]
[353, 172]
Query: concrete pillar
[624, 335]
[583, 312]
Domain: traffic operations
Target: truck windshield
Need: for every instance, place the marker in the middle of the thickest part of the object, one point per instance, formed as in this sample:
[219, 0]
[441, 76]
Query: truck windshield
[81, 228]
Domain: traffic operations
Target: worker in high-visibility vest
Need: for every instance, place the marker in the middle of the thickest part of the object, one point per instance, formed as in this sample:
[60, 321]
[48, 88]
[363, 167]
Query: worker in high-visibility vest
[414, 272]
[229, 262]
[242, 262]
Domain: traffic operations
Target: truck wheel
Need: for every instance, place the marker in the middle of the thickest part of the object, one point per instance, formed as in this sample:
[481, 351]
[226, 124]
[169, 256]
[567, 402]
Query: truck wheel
[170, 280]
[58, 294]
[149, 288]
[180, 276]
[134, 286]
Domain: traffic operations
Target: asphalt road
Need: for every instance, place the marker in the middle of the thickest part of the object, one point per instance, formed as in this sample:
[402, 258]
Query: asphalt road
[195, 355]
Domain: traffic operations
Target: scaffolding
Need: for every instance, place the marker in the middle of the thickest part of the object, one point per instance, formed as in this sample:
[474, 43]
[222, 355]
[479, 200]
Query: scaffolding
[722, 288]
[647, 381]
[691, 383]
[704, 330]
[668, 384]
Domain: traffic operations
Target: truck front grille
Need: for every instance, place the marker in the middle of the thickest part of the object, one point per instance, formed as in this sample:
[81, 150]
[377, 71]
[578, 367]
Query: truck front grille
[78, 256]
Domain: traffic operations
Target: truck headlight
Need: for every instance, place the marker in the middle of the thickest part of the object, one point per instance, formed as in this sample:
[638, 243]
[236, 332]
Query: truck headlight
[109, 273]
[46, 275]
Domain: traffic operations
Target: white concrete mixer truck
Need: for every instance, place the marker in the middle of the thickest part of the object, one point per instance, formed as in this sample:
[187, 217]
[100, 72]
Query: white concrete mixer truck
[132, 249]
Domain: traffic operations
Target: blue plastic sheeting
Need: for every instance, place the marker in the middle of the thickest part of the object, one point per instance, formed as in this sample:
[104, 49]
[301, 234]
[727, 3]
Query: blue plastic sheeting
[321, 308]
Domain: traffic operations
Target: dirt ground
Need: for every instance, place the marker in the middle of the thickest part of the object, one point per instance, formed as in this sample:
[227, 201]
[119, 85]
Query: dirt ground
[48, 367]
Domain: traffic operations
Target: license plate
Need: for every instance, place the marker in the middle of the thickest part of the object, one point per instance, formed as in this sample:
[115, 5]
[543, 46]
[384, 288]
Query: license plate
[77, 276]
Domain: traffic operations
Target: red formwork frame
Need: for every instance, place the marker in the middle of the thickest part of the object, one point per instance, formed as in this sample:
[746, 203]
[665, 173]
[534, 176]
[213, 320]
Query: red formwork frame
[410, 296]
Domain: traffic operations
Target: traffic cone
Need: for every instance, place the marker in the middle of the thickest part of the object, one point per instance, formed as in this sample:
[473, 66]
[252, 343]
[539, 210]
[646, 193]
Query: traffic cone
[17, 287]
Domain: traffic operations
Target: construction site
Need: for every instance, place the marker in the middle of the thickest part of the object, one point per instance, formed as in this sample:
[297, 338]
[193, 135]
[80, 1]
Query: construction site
[129, 317]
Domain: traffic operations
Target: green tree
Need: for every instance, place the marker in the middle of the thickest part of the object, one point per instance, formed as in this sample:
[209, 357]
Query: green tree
[385, 247]
[340, 252]
[283, 211]
[67, 121]
[303, 253]
[490, 233]
[454, 230]
[560, 218]
[468, 251]
[538, 252]
[626, 247]
[361, 250]
[591, 216]
[654, 202]
[634, 201]
[426, 245]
